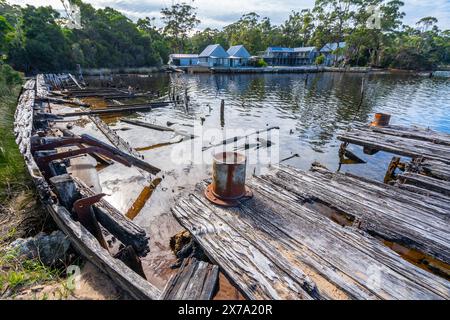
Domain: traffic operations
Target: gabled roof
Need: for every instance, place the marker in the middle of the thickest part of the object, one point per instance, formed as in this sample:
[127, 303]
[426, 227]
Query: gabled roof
[214, 50]
[238, 52]
[280, 49]
[304, 49]
[329, 47]
[183, 56]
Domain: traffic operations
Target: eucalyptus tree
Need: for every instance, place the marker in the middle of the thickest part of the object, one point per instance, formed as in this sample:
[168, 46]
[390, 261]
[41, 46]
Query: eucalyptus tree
[298, 28]
[201, 39]
[180, 20]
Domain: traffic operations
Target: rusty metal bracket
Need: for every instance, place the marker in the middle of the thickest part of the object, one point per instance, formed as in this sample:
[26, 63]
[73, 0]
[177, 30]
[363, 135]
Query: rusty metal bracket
[113, 153]
[44, 161]
[86, 216]
[393, 165]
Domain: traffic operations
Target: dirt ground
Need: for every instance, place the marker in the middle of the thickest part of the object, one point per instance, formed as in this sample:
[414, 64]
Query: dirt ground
[22, 216]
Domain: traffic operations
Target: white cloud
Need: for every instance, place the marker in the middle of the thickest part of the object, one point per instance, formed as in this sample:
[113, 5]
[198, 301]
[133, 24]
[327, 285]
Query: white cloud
[217, 14]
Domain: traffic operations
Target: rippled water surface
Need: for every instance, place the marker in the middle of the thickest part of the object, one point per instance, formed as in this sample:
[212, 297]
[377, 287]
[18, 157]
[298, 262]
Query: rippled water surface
[309, 109]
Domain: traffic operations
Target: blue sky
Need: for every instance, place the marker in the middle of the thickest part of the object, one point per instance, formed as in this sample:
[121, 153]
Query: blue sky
[217, 13]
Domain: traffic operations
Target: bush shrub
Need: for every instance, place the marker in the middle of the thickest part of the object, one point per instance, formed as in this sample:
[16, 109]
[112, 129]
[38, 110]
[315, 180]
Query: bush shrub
[320, 59]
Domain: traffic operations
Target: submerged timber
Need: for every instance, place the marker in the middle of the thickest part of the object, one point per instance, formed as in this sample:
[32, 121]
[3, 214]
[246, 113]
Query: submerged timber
[304, 234]
[279, 245]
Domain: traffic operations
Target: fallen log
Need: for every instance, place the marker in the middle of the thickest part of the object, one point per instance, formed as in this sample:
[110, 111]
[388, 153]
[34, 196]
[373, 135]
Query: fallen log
[234, 139]
[157, 127]
[147, 107]
[64, 101]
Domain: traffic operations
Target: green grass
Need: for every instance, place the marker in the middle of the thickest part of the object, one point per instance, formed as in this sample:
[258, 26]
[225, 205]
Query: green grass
[13, 176]
[17, 272]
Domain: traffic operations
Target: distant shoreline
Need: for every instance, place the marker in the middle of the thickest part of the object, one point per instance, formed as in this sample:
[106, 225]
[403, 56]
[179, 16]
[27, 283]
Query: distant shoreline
[255, 70]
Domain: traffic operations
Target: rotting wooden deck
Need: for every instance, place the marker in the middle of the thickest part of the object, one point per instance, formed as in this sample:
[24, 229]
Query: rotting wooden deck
[413, 142]
[319, 235]
[428, 173]
[82, 240]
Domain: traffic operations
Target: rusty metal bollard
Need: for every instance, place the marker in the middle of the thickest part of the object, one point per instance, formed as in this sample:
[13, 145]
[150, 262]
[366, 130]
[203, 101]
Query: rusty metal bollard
[228, 182]
[381, 120]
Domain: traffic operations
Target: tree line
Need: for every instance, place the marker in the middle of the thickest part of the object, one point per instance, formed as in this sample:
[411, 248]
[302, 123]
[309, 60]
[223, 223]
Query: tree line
[35, 39]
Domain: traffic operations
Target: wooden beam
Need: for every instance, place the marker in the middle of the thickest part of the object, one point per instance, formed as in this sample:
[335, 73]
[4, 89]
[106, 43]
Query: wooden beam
[118, 109]
[278, 245]
[195, 280]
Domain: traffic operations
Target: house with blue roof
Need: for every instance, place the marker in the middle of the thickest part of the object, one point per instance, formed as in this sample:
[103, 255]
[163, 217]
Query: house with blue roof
[282, 56]
[238, 55]
[214, 55]
[331, 54]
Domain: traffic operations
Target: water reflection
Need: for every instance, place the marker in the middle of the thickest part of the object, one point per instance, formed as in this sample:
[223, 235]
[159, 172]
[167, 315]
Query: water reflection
[309, 110]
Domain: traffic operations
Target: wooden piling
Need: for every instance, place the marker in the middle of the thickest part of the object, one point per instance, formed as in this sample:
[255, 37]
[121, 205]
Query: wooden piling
[222, 113]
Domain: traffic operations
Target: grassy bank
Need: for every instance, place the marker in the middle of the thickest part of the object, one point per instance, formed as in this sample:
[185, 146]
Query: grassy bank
[12, 170]
[21, 214]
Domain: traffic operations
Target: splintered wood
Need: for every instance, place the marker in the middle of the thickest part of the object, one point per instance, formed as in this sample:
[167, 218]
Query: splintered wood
[196, 280]
[429, 171]
[411, 142]
[279, 245]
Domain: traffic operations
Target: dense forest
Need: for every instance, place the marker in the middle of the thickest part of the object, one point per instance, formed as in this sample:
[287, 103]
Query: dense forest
[38, 39]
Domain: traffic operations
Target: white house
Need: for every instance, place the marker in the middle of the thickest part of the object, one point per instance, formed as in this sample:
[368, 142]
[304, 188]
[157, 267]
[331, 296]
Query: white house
[238, 56]
[329, 50]
[214, 55]
[183, 60]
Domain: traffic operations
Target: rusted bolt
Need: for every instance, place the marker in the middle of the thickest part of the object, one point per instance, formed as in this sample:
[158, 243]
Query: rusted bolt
[381, 120]
[228, 181]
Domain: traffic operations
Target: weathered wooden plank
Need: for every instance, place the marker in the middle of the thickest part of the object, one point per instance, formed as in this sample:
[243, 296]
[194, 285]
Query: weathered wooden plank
[250, 270]
[428, 200]
[277, 234]
[425, 182]
[439, 198]
[430, 149]
[435, 169]
[64, 101]
[130, 156]
[195, 280]
[412, 132]
[147, 107]
[157, 127]
[75, 81]
[120, 226]
[320, 236]
[375, 209]
[89, 247]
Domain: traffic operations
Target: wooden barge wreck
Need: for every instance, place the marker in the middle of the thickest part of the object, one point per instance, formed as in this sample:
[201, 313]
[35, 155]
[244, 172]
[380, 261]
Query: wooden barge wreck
[97, 221]
[324, 235]
[303, 235]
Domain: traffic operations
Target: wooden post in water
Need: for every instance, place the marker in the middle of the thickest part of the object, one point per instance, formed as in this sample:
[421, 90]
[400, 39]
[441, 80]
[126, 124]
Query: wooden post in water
[186, 98]
[222, 113]
[362, 94]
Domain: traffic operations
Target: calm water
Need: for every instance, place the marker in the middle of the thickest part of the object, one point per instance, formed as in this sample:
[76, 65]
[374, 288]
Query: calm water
[309, 109]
